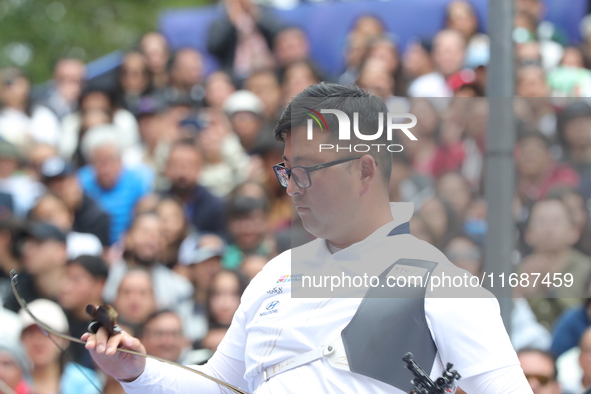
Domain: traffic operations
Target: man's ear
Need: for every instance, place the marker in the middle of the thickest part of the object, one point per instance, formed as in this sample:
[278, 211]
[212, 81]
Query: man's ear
[368, 167]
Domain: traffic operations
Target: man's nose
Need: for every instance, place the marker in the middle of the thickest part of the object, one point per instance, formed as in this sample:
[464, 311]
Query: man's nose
[292, 187]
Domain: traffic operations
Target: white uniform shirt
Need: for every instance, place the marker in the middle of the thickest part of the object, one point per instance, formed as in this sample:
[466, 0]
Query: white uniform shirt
[270, 327]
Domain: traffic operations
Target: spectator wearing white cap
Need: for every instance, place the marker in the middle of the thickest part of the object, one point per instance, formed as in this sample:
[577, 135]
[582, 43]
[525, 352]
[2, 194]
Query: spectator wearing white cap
[52, 372]
[201, 255]
[245, 110]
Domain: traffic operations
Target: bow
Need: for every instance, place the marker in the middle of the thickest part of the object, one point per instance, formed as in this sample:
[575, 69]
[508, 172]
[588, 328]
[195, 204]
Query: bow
[49, 330]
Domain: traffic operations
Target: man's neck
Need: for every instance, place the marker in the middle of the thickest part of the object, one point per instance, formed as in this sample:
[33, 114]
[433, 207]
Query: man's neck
[366, 224]
[49, 283]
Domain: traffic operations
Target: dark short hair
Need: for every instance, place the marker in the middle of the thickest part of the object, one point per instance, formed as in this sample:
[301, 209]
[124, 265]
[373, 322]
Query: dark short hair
[532, 134]
[241, 206]
[347, 98]
[94, 265]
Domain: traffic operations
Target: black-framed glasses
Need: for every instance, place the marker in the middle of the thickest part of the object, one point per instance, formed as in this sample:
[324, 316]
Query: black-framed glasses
[301, 174]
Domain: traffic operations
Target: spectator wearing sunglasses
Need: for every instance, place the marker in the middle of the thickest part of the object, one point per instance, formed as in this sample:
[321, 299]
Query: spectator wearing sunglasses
[540, 370]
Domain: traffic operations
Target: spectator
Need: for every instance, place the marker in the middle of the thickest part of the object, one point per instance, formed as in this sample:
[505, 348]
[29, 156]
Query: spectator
[143, 246]
[203, 209]
[297, 77]
[407, 185]
[36, 155]
[540, 370]
[68, 80]
[21, 121]
[175, 228]
[52, 209]
[97, 107]
[135, 299]
[83, 285]
[537, 172]
[15, 366]
[252, 265]
[290, 45]
[242, 39]
[51, 372]
[569, 328]
[551, 233]
[245, 111]
[11, 233]
[355, 51]
[218, 87]
[225, 161]
[18, 191]
[223, 301]
[152, 152]
[465, 253]
[162, 335]
[574, 134]
[368, 26]
[44, 261]
[247, 224]
[417, 61]
[155, 48]
[440, 219]
[265, 85]
[375, 78]
[455, 190]
[186, 77]
[60, 178]
[449, 52]
[134, 81]
[577, 208]
[460, 16]
[115, 187]
[427, 132]
[385, 48]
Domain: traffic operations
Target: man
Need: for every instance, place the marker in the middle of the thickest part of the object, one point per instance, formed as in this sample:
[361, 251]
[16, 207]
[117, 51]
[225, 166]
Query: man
[186, 77]
[68, 78]
[60, 178]
[115, 187]
[44, 259]
[143, 246]
[203, 209]
[83, 285]
[342, 199]
[540, 370]
[162, 333]
[551, 233]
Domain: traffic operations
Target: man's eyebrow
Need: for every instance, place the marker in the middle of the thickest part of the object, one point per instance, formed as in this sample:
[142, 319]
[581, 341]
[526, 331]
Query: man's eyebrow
[296, 159]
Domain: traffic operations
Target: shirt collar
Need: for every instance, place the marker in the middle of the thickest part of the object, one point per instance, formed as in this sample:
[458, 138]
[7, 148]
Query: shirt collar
[401, 213]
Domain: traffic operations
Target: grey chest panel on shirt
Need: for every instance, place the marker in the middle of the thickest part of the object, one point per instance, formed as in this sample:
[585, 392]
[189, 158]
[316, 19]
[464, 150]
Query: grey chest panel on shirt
[389, 323]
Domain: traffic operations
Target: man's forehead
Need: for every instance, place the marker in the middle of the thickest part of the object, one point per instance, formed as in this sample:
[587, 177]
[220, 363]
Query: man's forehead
[298, 148]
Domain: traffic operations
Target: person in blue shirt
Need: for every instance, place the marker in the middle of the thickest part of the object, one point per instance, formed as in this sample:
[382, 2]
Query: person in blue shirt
[113, 186]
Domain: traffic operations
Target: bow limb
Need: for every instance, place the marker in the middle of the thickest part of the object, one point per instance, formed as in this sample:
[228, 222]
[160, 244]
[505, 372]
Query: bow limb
[49, 330]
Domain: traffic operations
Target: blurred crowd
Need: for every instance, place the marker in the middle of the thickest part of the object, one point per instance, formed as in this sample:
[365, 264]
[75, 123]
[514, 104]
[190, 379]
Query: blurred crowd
[151, 187]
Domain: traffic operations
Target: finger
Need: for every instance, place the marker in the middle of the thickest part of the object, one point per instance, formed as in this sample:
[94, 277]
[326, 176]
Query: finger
[85, 336]
[113, 344]
[90, 341]
[101, 340]
[132, 343]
